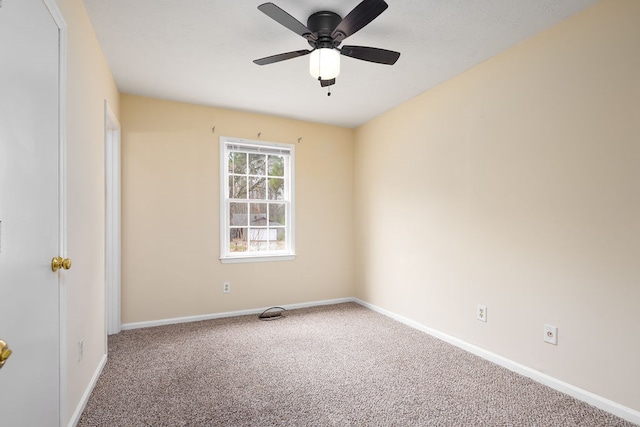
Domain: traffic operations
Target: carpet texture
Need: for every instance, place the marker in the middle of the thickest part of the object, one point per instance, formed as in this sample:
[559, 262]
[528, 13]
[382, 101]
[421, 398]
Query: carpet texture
[339, 365]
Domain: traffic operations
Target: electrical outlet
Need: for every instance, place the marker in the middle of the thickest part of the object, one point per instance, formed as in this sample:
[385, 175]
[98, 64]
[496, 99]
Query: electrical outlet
[551, 334]
[80, 349]
[226, 287]
[481, 313]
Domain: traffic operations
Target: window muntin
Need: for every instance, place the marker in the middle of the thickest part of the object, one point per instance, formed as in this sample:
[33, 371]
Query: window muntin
[256, 200]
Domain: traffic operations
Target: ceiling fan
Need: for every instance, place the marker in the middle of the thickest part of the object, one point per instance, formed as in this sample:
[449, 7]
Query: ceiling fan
[324, 32]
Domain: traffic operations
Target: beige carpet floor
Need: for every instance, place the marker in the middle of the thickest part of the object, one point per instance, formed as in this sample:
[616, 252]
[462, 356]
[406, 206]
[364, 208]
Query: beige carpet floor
[339, 365]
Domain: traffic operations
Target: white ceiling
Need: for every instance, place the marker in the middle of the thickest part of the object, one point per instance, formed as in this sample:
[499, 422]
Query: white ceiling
[201, 51]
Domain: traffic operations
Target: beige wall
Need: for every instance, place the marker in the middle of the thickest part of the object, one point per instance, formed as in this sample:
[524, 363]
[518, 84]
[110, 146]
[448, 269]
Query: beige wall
[89, 83]
[170, 213]
[517, 185]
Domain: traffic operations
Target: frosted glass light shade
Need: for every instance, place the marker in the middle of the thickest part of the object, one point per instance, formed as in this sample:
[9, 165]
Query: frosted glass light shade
[324, 64]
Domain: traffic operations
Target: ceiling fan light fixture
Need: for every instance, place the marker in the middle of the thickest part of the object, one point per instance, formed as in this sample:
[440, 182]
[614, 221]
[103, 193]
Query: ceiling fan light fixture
[324, 64]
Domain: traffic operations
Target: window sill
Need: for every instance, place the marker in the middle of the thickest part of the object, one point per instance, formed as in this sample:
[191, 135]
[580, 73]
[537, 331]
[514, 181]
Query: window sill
[257, 258]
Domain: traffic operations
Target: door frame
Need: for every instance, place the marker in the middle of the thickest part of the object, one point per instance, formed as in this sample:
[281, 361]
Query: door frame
[112, 222]
[59, 20]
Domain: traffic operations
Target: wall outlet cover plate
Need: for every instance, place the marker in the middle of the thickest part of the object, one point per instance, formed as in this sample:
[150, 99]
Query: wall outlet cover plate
[481, 313]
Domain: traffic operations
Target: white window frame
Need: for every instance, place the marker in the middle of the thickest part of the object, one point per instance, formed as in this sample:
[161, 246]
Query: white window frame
[226, 256]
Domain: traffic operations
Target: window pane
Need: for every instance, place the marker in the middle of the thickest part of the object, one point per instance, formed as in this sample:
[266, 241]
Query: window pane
[257, 188]
[257, 164]
[280, 241]
[238, 214]
[276, 189]
[238, 163]
[258, 215]
[238, 240]
[238, 190]
[277, 214]
[276, 166]
[259, 238]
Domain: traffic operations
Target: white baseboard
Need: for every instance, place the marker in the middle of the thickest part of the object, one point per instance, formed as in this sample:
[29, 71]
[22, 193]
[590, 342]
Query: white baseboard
[554, 383]
[75, 418]
[175, 320]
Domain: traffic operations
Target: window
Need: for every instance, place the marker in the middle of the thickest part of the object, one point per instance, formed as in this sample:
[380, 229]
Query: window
[256, 200]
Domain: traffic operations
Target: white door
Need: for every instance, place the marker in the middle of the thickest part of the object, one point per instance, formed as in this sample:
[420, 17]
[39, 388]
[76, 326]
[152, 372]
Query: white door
[29, 214]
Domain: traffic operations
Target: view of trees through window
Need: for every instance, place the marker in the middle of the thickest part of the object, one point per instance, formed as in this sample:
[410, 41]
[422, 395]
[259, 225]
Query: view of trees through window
[257, 203]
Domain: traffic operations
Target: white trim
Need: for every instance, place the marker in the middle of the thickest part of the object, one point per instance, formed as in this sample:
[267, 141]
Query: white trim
[58, 18]
[75, 418]
[112, 221]
[261, 258]
[162, 322]
[554, 383]
[225, 256]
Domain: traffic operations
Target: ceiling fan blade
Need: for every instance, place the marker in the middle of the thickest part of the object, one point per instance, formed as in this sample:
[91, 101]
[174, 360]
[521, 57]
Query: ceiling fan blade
[361, 15]
[283, 18]
[325, 83]
[371, 54]
[281, 57]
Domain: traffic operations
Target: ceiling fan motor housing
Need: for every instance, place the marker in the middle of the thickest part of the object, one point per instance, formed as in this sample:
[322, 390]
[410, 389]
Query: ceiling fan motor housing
[323, 23]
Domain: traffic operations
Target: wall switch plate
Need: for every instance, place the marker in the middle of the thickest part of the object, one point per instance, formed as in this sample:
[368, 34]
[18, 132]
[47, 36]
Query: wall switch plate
[226, 287]
[481, 313]
[551, 334]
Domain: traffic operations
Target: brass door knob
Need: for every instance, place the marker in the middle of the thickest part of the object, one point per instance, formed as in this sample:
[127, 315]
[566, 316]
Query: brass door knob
[58, 262]
[5, 352]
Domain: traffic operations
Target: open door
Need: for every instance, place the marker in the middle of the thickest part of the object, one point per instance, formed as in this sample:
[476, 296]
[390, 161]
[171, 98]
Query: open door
[31, 214]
